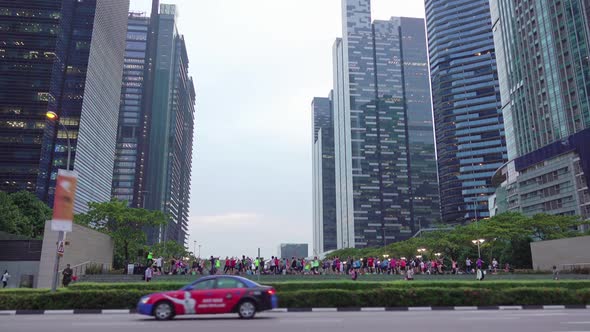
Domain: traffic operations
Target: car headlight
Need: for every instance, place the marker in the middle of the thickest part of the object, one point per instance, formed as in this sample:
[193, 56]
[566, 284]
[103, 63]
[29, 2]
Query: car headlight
[144, 300]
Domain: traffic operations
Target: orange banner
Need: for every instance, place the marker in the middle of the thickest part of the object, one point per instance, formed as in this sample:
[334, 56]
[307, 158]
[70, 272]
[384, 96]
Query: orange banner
[63, 204]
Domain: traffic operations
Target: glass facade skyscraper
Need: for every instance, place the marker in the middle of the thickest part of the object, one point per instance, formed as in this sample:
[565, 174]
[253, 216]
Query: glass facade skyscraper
[543, 62]
[544, 58]
[28, 37]
[76, 48]
[324, 182]
[128, 160]
[466, 102]
[155, 136]
[385, 172]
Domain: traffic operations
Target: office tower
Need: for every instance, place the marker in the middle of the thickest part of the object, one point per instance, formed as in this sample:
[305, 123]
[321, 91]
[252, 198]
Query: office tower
[128, 160]
[385, 172]
[543, 51]
[154, 143]
[65, 57]
[324, 183]
[466, 102]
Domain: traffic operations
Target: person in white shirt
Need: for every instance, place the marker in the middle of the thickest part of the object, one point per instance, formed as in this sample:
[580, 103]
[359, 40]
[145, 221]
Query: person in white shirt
[149, 273]
[5, 278]
[159, 261]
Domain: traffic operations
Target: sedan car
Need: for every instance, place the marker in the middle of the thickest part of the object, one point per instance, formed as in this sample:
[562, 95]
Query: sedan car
[211, 295]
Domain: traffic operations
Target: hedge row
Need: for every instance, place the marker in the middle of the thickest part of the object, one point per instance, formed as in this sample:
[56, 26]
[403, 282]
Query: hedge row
[387, 297]
[349, 285]
[435, 297]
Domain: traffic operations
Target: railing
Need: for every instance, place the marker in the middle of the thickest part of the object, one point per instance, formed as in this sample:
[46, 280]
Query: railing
[575, 266]
[80, 269]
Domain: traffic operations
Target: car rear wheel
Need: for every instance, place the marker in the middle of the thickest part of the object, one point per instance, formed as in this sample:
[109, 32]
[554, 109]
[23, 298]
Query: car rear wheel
[247, 310]
[163, 311]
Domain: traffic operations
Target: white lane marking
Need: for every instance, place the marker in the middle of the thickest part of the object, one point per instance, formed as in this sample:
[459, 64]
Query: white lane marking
[376, 309]
[465, 308]
[8, 312]
[576, 323]
[310, 320]
[324, 309]
[510, 307]
[279, 310]
[115, 311]
[419, 309]
[59, 312]
[553, 307]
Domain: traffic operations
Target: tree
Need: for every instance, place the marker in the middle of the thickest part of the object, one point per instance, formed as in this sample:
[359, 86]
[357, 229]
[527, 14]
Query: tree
[507, 238]
[551, 227]
[34, 211]
[10, 215]
[169, 249]
[124, 224]
[22, 213]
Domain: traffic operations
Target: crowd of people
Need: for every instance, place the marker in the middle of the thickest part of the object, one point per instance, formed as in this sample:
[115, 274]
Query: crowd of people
[314, 266]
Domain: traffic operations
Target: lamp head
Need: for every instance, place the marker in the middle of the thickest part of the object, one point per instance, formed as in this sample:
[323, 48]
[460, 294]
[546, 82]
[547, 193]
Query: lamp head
[51, 115]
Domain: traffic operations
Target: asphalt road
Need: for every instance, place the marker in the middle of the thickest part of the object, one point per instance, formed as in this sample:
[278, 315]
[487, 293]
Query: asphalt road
[415, 321]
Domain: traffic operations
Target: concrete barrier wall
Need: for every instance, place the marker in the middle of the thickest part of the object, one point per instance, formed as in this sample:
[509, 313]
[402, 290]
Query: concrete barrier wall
[18, 269]
[562, 253]
[85, 245]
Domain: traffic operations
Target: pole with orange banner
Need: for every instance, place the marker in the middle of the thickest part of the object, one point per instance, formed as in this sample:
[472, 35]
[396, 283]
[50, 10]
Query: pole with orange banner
[63, 214]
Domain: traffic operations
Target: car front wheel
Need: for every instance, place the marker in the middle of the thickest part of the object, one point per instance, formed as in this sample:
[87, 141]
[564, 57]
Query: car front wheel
[163, 311]
[247, 310]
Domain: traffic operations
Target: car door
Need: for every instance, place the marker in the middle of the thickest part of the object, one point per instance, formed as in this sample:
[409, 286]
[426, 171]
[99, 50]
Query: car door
[228, 292]
[200, 292]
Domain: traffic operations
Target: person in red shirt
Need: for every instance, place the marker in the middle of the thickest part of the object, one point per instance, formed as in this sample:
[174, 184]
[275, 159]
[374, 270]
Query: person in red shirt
[370, 263]
[226, 267]
[232, 264]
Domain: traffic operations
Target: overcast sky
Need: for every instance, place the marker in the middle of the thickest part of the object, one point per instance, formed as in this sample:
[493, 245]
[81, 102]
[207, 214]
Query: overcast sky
[257, 64]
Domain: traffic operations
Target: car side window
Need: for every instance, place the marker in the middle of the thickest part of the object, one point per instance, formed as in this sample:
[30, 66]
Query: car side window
[205, 284]
[225, 283]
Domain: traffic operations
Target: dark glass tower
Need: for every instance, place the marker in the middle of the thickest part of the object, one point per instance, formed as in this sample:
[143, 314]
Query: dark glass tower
[466, 101]
[28, 37]
[154, 143]
[171, 130]
[128, 160]
[72, 66]
[324, 182]
[386, 185]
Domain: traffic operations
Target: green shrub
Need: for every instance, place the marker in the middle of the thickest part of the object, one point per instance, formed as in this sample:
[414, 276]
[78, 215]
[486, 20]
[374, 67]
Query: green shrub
[94, 268]
[383, 297]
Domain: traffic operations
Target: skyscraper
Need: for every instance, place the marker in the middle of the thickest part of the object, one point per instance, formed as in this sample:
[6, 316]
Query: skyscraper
[154, 144]
[543, 61]
[324, 190]
[131, 129]
[66, 57]
[466, 102]
[385, 172]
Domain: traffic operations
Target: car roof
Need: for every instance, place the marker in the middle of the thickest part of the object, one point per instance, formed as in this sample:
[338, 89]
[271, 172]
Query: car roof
[246, 281]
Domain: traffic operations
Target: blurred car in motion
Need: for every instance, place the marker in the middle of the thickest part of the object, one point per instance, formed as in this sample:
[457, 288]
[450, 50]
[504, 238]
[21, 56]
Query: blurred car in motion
[221, 294]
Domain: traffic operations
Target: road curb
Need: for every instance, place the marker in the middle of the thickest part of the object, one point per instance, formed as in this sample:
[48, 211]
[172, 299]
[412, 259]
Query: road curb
[315, 310]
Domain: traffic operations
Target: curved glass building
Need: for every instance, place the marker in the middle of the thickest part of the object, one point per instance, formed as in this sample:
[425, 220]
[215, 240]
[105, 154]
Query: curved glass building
[466, 103]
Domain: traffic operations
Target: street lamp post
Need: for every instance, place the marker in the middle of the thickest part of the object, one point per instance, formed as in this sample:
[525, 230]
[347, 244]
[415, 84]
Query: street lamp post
[61, 235]
[194, 247]
[421, 251]
[479, 242]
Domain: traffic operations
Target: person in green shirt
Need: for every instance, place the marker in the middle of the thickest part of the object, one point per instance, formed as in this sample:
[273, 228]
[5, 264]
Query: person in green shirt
[256, 265]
